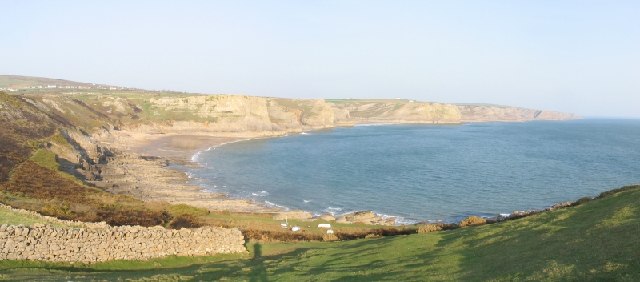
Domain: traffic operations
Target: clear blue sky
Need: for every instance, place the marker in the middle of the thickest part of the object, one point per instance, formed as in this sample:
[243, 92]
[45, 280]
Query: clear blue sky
[577, 56]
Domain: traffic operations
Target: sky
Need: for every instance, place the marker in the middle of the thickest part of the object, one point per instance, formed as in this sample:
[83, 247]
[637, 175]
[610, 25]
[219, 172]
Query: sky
[575, 56]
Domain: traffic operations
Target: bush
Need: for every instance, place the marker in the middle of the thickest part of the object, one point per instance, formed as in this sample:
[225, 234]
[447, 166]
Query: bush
[426, 228]
[329, 237]
[184, 221]
[284, 235]
[472, 220]
[117, 216]
[582, 201]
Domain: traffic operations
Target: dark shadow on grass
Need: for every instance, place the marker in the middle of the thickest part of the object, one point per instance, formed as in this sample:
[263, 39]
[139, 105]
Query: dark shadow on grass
[258, 271]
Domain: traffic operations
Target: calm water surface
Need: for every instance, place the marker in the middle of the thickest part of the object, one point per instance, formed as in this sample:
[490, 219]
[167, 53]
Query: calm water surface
[429, 172]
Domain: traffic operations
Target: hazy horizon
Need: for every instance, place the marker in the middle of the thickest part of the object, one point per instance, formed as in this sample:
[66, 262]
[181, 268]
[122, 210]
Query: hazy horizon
[572, 56]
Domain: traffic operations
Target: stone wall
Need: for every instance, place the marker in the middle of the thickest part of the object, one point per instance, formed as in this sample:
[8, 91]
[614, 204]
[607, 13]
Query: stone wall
[45, 242]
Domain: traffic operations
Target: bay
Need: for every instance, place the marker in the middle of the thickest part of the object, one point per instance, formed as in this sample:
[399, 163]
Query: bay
[429, 172]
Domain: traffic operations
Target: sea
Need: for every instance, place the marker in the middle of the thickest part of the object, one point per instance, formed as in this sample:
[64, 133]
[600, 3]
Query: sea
[428, 172]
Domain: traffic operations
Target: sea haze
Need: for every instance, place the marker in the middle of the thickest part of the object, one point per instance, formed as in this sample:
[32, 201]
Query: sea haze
[429, 172]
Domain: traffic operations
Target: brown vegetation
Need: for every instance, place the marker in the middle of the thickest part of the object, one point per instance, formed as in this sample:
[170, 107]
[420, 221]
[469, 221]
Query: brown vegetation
[426, 228]
[185, 221]
[433, 227]
[379, 232]
[43, 190]
[472, 220]
[274, 235]
[21, 124]
[330, 237]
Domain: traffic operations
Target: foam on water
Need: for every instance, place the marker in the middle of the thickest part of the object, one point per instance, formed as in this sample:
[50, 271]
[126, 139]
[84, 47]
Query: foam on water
[274, 205]
[195, 156]
[332, 210]
[262, 193]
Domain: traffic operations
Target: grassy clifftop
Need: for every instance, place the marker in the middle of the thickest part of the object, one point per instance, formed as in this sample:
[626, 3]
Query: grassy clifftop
[597, 240]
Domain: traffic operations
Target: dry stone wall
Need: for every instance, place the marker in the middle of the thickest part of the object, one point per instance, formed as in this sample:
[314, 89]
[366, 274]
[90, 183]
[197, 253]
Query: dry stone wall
[45, 242]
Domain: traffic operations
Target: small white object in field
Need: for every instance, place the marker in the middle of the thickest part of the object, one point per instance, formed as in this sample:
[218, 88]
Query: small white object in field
[324, 225]
[330, 231]
[295, 229]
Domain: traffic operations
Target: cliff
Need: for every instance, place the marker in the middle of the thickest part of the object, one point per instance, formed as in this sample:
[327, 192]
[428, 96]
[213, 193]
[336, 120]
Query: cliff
[113, 108]
[483, 113]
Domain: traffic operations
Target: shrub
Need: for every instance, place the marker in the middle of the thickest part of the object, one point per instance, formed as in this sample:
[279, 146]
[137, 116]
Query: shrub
[60, 210]
[329, 237]
[184, 221]
[284, 235]
[582, 201]
[117, 216]
[472, 220]
[426, 228]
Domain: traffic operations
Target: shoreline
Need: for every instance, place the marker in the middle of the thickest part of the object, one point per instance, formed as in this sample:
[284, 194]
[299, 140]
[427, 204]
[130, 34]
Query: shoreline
[145, 169]
[177, 148]
[152, 167]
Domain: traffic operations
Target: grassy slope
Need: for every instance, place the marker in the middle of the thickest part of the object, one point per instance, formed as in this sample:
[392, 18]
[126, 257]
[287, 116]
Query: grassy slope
[597, 240]
[10, 217]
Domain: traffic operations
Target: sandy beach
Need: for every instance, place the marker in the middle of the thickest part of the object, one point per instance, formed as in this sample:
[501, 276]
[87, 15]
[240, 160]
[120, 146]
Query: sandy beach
[180, 148]
[142, 167]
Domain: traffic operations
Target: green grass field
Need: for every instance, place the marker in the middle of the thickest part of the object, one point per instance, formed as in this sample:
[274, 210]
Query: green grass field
[598, 240]
[10, 217]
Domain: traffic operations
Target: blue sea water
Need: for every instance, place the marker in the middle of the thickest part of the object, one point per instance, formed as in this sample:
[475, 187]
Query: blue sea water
[429, 172]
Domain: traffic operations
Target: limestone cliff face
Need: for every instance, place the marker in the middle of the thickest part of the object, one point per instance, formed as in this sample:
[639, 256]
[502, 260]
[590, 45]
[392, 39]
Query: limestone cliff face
[235, 113]
[231, 113]
[245, 116]
[268, 116]
[395, 111]
[480, 113]
[219, 112]
[300, 114]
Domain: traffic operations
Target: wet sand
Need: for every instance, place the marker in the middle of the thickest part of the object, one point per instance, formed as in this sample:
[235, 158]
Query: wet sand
[180, 148]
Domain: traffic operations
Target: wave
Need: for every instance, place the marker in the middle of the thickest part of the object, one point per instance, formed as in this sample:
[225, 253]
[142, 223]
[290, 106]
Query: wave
[332, 210]
[399, 220]
[260, 194]
[195, 156]
[271, 204]
[306, 201]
